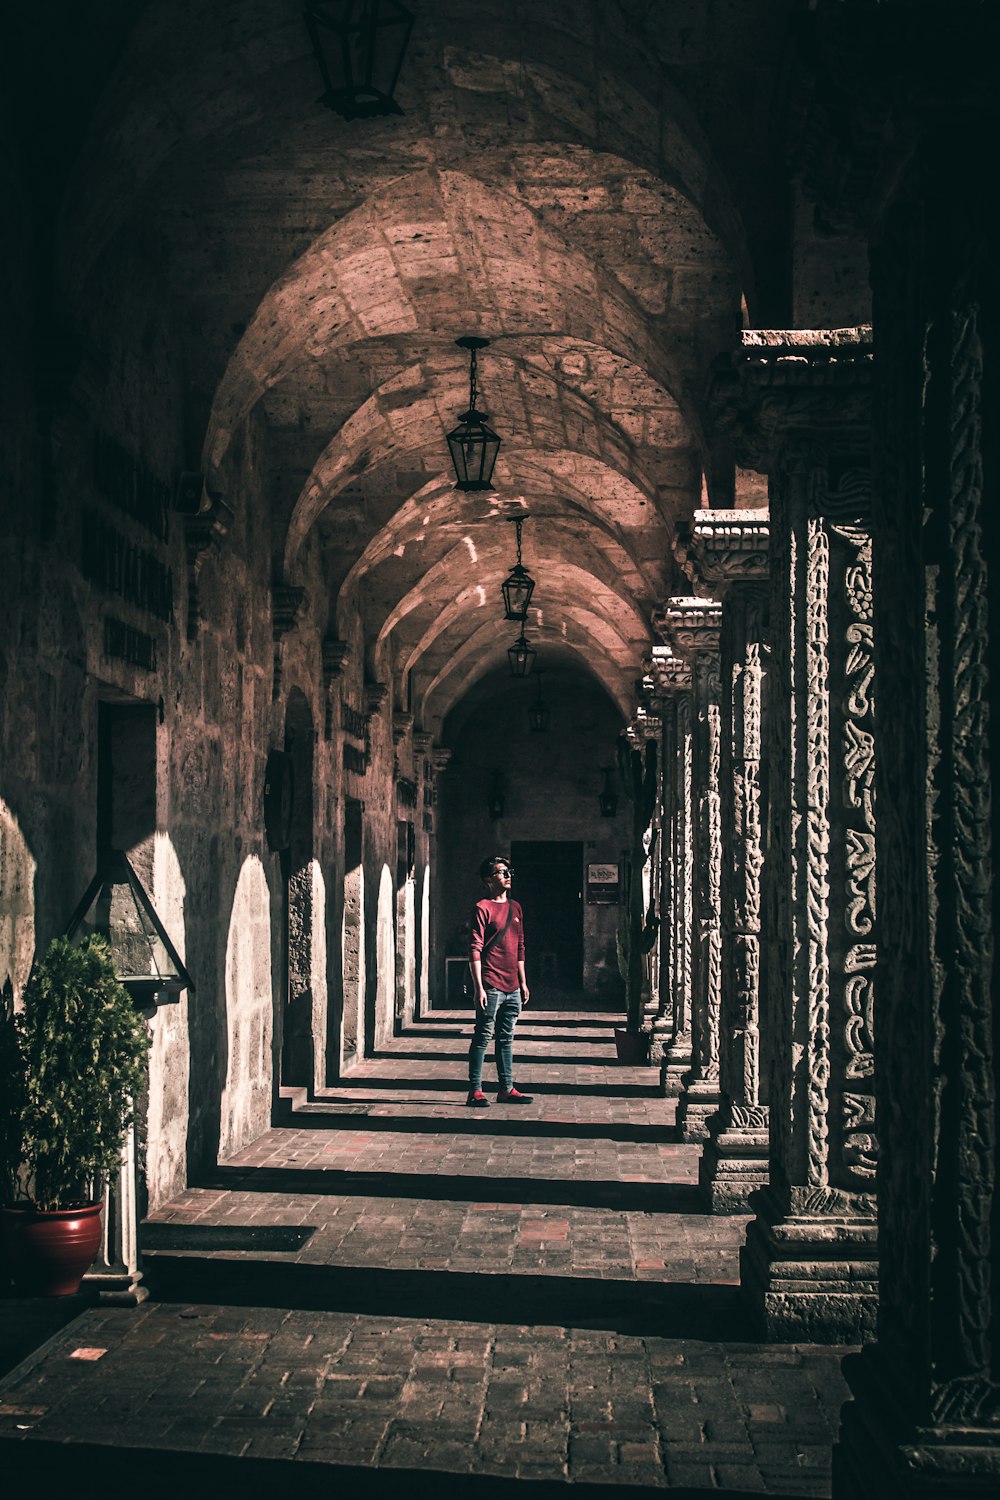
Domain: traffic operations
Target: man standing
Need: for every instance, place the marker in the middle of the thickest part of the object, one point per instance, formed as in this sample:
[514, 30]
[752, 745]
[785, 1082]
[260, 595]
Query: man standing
[496, 958]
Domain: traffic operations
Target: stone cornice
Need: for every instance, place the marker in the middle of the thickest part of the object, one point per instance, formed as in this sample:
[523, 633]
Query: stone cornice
[718, 548]
[287, 600]
[376, 694]
[814, 381]
[402, 723]
[690, 626]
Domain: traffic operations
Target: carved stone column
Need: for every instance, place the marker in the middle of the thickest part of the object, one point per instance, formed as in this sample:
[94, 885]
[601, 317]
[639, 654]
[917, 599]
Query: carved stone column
[692, 626]
[802, 411]
[925, 1418]
[726, 554]
[672, 675]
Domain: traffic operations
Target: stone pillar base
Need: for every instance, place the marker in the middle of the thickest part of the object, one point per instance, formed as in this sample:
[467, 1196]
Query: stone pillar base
[809, 1267]
[675, 1066]
[659, 1043]
[734, 1163]
[124, 1289]
[882, 1451]
[700, 1099]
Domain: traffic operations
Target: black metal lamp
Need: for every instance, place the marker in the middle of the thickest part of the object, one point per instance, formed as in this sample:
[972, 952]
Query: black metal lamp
[474, 446]
[538, 713]
[497, 800]
[521, 657]
[518, 587]
[359, 46]
[118, 906]
[608, 798]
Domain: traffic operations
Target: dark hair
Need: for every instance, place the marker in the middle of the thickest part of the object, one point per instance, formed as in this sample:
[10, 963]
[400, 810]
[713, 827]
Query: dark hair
[488, 866]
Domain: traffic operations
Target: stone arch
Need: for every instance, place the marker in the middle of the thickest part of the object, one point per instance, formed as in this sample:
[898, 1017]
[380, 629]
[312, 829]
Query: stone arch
[349, 288]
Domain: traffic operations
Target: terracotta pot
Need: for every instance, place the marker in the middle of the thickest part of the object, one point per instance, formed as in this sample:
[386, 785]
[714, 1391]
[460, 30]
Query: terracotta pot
[632, 1047]
[50, 1249]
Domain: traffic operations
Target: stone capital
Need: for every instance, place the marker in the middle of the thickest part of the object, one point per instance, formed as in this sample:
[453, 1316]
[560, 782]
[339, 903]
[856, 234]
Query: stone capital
[402, 723]
[719, 548]
[336, 655]
[670, 672]
[376, 695]
[440, 756]
[422, 741]
[287, 600]
[690, 626]
[781, 383]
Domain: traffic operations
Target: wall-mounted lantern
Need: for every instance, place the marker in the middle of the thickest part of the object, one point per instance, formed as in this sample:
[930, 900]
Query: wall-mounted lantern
[117, 905]
[518, 587]
[608, 797]
[474, 446]
[538, 713]
[359, 46]
[521, 657]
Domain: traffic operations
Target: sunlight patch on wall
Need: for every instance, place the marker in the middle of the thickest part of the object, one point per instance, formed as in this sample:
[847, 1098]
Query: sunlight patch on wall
[17, 903]
[169, 1056]
[246, 1101]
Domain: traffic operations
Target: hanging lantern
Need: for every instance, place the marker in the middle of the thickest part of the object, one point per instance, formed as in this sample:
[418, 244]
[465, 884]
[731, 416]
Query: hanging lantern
[608, 797]
[521, 657]
[117, 905]
[359, 46]
[538, 713]
[474, 446]
[518, 587]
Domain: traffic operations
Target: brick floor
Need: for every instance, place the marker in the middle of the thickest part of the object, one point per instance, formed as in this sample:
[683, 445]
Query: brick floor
[391, 1281]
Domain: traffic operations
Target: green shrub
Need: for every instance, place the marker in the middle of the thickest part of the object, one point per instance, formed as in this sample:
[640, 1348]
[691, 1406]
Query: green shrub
[85, 1047]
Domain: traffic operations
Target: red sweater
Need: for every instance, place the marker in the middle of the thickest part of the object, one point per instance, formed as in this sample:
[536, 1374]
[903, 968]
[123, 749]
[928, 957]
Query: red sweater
[500, 963]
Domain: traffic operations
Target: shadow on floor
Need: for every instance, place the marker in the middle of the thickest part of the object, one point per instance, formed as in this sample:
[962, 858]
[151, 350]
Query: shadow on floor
[26, 1323]
[520, 1057]
[438, 1187]
[644, 1309]
[92, 1471]
[452, 1085]
[532, 1019]
[470, 1122]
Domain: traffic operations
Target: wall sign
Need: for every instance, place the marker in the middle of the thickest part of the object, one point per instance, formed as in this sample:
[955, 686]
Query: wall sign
[603, 885]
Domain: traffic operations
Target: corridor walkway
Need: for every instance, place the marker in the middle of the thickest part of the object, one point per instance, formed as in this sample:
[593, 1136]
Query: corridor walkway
[389, 1281]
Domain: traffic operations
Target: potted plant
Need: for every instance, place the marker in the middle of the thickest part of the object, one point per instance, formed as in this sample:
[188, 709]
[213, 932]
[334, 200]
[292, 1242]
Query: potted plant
[84, 1048]
[636, 928]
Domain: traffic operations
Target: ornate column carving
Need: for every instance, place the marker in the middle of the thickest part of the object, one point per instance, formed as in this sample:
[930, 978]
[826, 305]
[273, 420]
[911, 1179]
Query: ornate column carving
[925, 1418]
[801, 404]
[726, 553]
[692, 627]
[672, 1026]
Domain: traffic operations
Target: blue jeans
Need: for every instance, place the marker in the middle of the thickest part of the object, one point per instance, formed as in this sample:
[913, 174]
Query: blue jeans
[500, 1015]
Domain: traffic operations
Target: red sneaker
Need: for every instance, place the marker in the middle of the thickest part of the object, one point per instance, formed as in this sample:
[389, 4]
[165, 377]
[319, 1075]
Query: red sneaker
[514, 1096]
[478, 1100]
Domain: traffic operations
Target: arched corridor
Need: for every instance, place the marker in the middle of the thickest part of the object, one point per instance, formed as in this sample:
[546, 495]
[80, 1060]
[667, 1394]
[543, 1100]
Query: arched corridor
[577, 450]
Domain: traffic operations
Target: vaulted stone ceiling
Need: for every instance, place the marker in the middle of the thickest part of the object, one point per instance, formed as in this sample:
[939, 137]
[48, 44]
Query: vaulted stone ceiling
[550, 186]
